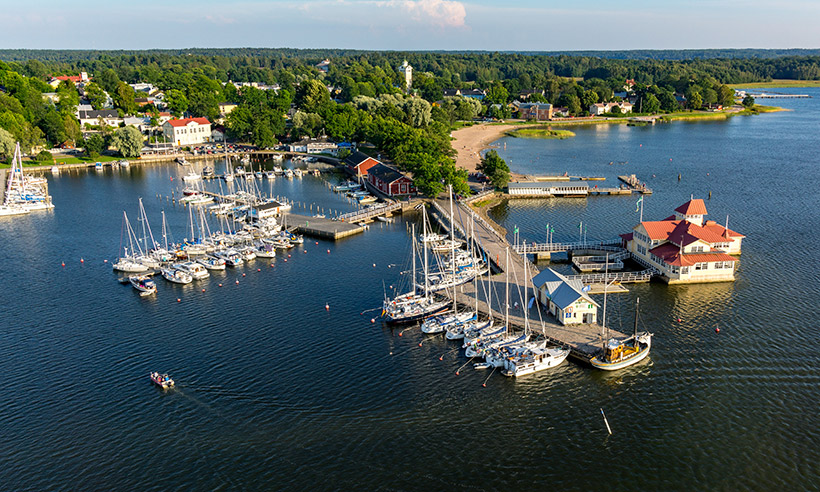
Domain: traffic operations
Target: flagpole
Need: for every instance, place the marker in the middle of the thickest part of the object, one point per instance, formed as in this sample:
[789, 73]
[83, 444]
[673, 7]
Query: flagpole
[641, 208]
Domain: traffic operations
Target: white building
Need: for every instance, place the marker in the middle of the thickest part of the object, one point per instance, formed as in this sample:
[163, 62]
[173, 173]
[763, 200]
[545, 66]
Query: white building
[684, 248]
[603, 108]
[565, 299]
[187, 131]
[406, 70]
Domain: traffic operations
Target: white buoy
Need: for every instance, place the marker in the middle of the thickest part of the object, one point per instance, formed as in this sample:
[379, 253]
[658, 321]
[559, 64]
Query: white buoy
[606, 422]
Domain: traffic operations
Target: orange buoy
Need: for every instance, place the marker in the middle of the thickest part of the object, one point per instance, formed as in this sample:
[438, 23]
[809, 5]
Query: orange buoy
[203, 290]
[63, 263]
[372, 320]
[327, 307]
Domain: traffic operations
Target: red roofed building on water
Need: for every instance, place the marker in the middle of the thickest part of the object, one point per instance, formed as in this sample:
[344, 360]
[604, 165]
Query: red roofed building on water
[684, 248]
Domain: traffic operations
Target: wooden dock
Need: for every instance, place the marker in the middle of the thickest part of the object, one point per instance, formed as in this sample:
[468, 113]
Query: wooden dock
[321, 227]
[635, 184]
[584, 340]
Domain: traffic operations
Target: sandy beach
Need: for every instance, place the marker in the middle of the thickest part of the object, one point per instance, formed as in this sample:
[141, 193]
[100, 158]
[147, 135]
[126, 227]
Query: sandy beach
[471, 140]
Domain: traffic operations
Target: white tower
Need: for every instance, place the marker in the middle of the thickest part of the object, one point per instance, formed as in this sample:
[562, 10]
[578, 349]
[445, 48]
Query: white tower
[407, 70]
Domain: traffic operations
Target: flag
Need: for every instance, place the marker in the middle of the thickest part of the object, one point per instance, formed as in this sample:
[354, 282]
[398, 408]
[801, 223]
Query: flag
[638, 204]
[552, 229]
[516, 230]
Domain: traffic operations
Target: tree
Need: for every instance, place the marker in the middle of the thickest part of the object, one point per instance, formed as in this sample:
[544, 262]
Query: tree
[6, 145]
[308, 124]
[694, 100]
[497, 94]
[124, 98]
[668, 102]
[615, 110]
[651, 104]
[418, 112]
[748, 101]
[312, 96]
[44, 156]
[128, 140]
[176, 101]
[95, 95]
[590, 98]
[726, 95]
[94, 145]
[495, 169]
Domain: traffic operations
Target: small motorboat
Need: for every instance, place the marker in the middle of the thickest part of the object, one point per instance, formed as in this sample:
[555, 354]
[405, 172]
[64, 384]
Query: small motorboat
[191, 176]
[164, 381]
[144, 284]
[176, 276]
[212, 262]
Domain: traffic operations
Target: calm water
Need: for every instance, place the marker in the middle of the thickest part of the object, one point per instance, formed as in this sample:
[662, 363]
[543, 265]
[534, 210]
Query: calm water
[274, 392]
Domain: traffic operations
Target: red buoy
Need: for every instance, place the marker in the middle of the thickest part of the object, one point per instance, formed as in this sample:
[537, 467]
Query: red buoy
[372, 320]
[717, 330]
[483, 385]
[456, 373]
[237, 282]
[243, 274]
[288, 256]
[63, 263]
[220, 285]
[258, 269]
[179, 300]
[678, 320]
[419, 344]
[82, 260]
[401, 333]
[317, 243]
[327, 307]
[328, 251]
[203, 290]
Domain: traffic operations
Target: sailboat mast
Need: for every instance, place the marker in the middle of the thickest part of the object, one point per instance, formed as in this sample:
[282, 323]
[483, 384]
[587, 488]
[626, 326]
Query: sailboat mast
[637, 302]
[453, 246]
[164, 231]
[413, 246]
[526, 294]
[603, 322]
[424, 225]
[507, 293]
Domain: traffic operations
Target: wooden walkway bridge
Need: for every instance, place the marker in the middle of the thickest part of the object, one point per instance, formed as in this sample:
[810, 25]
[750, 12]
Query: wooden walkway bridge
[584, 340]
[368, 214]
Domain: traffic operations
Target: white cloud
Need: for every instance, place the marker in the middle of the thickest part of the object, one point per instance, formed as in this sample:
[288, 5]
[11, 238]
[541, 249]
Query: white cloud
[441, 13]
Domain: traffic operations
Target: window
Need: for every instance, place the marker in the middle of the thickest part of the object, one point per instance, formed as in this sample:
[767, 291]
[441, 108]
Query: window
[701, 266]
[684, 270]
[641, 249]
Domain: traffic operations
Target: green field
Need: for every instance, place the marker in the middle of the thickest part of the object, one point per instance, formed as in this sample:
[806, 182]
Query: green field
[540, 133]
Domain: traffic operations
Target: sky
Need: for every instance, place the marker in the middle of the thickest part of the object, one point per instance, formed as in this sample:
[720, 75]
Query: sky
[528, 25]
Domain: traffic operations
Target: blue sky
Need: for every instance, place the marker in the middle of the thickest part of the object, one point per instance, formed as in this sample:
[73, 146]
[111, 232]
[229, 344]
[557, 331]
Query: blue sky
[544, 25]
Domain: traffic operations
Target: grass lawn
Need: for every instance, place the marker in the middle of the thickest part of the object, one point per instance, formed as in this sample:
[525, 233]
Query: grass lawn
[777, 83]
[540, 133]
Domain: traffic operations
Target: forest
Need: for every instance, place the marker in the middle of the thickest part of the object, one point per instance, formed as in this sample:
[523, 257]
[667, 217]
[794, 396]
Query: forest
[362, 96]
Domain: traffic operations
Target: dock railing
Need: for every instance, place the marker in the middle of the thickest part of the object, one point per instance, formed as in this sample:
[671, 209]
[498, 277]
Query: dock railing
[367, 213]
[530, 248]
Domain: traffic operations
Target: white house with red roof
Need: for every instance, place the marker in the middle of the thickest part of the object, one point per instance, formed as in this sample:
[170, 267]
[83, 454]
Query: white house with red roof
[684, 248]
[187, 131]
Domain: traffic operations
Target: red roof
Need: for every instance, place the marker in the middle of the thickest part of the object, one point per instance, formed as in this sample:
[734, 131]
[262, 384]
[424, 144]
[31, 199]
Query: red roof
[671, 255]
[72, 78]
[692, 207]
[660, 229]
[686, 233]
[627, 237]
[720, 230]
[188, 121]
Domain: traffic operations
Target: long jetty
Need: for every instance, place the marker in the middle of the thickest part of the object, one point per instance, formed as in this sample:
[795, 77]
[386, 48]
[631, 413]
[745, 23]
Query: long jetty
[584, 340]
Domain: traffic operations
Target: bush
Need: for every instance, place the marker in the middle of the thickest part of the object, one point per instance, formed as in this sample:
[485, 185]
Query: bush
[44, 156]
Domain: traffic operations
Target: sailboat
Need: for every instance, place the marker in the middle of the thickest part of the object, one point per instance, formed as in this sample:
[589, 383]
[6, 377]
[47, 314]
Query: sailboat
[129, 263]
[617, 354]
[412, 306]
[24, 193]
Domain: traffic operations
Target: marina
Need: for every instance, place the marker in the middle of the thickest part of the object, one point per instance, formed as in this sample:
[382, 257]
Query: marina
[281, 377]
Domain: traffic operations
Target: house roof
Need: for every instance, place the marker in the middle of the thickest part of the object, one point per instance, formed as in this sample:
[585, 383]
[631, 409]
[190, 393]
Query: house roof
[627, 237]
[385, 174]
[472, 92]
[98, 113]
[357, 158]
[659, 229]
[720, 230]
[187, 121]
[538, 106]
[686, 233]
[671, 255]
[562, 291]
[451, 92]
[692, 207]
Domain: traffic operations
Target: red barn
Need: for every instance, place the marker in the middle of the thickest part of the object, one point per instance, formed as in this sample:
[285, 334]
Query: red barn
[359, 163]
[390, 181]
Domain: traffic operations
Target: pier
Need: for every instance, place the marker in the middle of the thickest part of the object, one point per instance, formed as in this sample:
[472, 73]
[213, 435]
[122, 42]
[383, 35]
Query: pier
[635, 184]
[584, 340]
[320, 227]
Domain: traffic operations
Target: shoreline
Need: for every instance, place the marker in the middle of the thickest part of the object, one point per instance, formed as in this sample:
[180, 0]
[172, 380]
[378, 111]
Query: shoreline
[470, 141]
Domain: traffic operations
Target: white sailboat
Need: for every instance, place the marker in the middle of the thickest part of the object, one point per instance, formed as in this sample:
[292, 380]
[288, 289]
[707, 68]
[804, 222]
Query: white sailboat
[128, 262]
